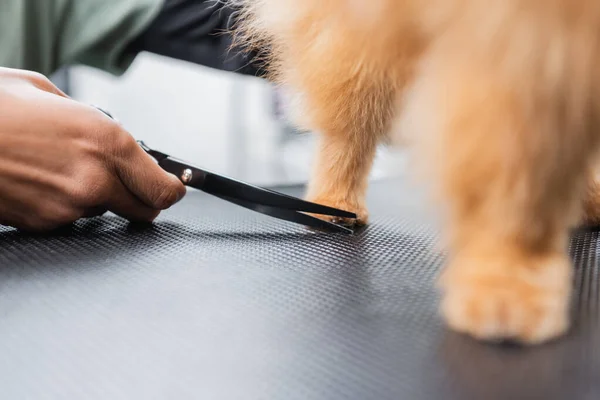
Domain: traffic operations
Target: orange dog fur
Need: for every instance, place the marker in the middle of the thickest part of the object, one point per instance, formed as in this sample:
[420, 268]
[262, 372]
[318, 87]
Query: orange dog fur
[502, 101]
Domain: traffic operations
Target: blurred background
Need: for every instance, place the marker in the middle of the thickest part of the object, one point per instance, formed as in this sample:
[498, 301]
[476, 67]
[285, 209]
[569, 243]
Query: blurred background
[223, 122]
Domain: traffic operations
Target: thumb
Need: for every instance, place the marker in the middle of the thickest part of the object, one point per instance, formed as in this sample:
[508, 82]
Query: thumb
[148, 181]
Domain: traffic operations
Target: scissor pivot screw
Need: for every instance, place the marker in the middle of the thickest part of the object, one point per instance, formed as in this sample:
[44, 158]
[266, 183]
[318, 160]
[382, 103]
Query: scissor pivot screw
[186, 175]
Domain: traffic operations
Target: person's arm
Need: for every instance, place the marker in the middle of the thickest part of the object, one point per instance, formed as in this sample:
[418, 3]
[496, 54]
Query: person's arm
[198, 31]
[43, 36]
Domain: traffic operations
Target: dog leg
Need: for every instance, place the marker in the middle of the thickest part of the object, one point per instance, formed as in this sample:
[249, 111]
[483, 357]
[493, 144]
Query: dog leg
[346, 78]
[351, 129]
[511, 176]
[591, 200]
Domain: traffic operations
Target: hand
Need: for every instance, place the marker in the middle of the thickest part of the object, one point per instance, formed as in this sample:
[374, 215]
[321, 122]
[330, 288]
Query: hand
[61, 160]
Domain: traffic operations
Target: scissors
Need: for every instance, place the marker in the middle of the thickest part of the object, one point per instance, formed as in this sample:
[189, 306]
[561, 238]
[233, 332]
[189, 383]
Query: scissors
[265, 201]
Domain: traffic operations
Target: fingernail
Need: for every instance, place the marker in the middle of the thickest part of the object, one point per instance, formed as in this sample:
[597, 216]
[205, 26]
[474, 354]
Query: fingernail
[180, 195]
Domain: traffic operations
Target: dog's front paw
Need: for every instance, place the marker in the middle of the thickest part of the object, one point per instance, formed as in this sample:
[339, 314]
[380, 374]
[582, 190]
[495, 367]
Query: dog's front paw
[521, 299]
[591, 201]
[359, 209]
[591, 206]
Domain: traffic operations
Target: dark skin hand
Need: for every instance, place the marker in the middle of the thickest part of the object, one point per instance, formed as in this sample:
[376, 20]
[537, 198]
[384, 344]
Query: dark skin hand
[61, 160]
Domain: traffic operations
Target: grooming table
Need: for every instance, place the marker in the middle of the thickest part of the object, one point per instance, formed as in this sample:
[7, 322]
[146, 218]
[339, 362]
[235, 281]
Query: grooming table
[217, 302]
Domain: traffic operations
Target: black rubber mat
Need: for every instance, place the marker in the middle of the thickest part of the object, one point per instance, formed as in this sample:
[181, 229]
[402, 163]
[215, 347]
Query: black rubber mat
[217, 302]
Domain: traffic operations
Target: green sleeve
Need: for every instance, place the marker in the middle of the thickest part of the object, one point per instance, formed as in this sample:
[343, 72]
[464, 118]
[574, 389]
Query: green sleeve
[43, 35]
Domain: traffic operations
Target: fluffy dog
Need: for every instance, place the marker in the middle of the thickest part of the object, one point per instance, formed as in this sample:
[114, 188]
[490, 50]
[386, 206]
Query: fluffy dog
[501, 99]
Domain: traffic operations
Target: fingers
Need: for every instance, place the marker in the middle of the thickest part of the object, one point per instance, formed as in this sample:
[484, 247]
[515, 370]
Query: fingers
[156, 188]
[124, 204]
[62, 161]
[139, 188]
[94, 212]
[43, 83]
[36, 79]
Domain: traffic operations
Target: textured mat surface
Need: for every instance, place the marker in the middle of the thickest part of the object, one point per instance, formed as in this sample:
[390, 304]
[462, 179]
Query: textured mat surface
[217, 302]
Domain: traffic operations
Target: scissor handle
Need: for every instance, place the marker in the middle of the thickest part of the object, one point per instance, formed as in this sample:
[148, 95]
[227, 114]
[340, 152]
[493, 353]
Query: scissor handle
[188, 174]
[157, 155]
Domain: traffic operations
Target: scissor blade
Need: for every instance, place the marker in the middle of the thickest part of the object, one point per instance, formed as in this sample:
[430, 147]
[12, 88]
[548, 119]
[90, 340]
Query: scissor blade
[287, 215]
[220, 185]
[247, 195]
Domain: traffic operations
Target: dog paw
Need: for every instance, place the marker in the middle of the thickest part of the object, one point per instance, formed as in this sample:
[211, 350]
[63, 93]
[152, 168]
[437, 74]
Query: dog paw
[591, 211]
[516, 299]
[359, 209]
[591, 203]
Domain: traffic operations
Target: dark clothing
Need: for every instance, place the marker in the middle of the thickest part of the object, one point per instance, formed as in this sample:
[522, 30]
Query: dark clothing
[198, 31]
